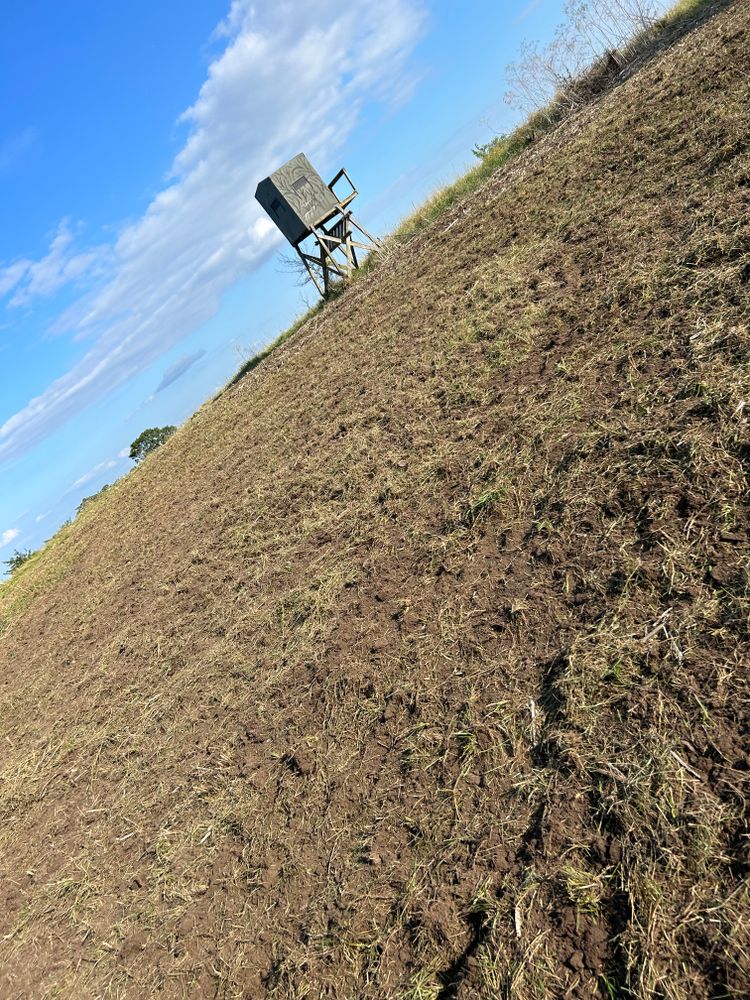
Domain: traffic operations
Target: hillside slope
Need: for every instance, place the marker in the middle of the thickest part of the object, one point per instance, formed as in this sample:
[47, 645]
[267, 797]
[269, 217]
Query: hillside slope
[415, 665]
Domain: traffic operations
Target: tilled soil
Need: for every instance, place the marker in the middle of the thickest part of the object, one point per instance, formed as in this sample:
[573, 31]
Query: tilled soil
[415, 664]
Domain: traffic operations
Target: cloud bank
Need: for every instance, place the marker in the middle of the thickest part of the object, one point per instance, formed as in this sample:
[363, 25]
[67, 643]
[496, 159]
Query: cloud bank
[291, 76]
[29, 279]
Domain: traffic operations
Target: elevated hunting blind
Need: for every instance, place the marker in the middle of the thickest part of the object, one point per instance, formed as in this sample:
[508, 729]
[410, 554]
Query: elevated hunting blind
[305, 208]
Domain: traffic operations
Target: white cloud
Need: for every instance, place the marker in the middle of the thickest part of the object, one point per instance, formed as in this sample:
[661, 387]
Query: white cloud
[59, 267]
[233, 21]
[93, 473]
[8, 536]
[292, 76]
[12, 274]
[40, 517]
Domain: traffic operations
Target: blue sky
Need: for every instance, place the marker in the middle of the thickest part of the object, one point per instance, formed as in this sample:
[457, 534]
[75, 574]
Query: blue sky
[136, 270]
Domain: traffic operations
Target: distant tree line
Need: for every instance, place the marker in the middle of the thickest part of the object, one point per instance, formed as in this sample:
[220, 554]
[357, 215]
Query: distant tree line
[149, 440]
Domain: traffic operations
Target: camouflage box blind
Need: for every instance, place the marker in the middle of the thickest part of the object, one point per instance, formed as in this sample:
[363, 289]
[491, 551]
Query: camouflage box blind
[297, 198]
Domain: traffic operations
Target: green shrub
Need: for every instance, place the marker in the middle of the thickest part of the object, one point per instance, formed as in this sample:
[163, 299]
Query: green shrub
[19, 557]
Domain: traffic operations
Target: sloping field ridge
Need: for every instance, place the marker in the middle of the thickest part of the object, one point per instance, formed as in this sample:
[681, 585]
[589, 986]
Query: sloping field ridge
[415, 665]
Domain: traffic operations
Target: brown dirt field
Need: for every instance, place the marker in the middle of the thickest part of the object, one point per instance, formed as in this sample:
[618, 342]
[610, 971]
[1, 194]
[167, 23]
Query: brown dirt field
[415, 665]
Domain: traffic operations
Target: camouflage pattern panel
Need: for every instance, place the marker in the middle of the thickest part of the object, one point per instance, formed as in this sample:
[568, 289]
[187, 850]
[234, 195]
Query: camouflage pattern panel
[305, 190]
